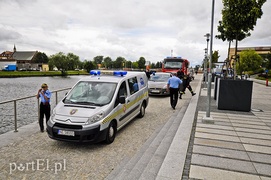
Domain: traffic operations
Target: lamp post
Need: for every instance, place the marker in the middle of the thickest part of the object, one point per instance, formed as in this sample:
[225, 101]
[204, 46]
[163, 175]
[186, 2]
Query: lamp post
[209, 119]
[207, 35]
[205, 67]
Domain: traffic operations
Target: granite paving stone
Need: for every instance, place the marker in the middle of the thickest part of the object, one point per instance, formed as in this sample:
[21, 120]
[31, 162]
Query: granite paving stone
[221, 152]
[258, 157]
[217, 136]
[263, 169]
[215, 126]
[265, 178]
[216, 131]
[254, 135]
[223, 163]
[223, 123]
[251, 126]
[207, 173]
[261, 123]
[217, 143]
[256, 141]
[258, 131]
[257, 148]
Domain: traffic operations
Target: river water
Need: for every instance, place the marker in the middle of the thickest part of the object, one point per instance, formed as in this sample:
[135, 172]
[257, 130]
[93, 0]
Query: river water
[27, 109]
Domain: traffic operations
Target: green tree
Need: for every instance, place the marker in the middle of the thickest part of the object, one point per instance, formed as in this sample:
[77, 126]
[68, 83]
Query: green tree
[40, 58]
[141, 63]
[88, 65]
[158, 64]
[119, 62]
[268, 64]
[129, 64]
[239, 18]
[135, 65]
[108, 62]
[59, 60]
[98, 59]
[215, 57]
[152, 65]
[266, 60]
[73, 61]
[249, 61]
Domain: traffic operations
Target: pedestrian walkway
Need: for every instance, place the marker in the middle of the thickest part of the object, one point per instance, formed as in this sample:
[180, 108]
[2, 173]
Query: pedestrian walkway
[237, 145]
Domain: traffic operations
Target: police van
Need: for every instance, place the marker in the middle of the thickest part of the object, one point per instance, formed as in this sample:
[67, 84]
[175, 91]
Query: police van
[98, 106]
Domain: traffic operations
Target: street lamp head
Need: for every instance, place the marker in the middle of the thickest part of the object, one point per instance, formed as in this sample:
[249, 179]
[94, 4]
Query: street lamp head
[207, 36]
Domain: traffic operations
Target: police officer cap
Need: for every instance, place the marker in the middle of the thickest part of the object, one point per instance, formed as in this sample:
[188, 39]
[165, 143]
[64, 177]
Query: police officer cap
[44, 85]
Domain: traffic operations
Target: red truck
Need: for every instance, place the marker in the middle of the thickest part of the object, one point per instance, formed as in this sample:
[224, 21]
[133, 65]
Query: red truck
[173, 64]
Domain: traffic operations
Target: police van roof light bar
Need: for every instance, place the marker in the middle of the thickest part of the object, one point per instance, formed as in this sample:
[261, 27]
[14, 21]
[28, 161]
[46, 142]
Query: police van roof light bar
[119, 73]
[95, 72]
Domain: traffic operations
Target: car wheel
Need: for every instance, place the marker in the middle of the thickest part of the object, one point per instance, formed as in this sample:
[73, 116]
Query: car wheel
[142, 111]
[111, 133]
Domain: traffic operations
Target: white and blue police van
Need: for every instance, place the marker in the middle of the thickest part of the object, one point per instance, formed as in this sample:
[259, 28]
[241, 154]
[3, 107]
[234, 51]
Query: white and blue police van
[98, 106]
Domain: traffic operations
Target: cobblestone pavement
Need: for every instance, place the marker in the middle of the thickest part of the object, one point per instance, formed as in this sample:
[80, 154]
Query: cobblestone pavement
[236, 146]
[35, 156]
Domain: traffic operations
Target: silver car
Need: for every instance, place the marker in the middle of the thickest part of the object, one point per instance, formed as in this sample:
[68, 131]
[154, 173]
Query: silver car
[158, 83]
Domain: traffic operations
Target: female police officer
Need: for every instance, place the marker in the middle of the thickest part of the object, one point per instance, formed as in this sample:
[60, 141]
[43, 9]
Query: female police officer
[44, 94]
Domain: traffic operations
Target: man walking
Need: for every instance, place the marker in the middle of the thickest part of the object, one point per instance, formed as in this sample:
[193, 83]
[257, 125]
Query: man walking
[173, 87]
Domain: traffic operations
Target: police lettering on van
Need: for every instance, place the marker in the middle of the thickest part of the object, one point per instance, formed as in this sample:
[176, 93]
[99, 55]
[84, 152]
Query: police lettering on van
[98, 106]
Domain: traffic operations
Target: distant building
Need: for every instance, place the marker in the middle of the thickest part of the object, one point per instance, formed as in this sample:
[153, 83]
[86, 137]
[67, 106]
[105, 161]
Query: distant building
[23, 60]
[260, 50]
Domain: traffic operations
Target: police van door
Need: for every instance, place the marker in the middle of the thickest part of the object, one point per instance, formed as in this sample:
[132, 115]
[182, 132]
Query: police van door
[121, 109]
[133, 104]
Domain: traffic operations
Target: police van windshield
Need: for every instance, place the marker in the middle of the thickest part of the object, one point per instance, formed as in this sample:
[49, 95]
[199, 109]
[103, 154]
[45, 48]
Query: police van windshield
[91, 93]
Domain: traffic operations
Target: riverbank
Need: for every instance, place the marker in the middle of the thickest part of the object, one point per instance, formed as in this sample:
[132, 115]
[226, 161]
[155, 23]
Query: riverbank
[13, 74]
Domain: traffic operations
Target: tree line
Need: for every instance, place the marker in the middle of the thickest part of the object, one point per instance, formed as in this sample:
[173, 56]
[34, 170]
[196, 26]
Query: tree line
[70, 61]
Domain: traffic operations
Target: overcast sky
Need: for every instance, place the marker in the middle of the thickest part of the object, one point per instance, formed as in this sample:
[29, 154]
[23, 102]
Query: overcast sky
[127, 28]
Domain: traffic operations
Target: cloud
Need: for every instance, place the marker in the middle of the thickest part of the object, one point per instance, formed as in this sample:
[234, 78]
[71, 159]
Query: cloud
[127, 28]
[7, 34]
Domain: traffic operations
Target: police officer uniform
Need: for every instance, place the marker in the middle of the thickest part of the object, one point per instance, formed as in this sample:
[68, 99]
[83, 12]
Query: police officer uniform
[45, 109]
[173, 87]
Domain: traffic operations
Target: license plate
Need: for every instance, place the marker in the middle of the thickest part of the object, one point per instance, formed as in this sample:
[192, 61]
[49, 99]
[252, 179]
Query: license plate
[155, 91]
[65, 133]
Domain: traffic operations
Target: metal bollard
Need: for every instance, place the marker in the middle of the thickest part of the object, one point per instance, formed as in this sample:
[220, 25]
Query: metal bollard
[266, 82]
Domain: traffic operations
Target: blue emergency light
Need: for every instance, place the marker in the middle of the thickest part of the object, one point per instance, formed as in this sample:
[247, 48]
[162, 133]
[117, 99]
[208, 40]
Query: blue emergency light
[119, 73]
[95, 72]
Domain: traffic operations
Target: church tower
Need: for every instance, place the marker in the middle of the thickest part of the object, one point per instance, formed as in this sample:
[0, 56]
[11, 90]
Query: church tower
[14, 48]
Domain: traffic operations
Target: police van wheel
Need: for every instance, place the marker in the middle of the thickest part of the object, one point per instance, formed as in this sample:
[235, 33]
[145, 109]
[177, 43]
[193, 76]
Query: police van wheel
[111, 133]
[142, 111]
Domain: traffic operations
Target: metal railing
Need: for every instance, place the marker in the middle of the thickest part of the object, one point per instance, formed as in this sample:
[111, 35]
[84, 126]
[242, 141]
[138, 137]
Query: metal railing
[23, 98]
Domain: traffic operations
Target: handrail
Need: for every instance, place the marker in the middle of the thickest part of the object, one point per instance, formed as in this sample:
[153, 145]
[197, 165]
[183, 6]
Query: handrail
[27, 97]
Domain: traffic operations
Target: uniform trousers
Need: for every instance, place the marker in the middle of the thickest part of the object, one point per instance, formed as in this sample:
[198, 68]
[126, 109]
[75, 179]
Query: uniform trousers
[173, 96]
[45, 109]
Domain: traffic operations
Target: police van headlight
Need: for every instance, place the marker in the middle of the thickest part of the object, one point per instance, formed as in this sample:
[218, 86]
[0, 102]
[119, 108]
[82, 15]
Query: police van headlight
[53, 115]
[95, 118]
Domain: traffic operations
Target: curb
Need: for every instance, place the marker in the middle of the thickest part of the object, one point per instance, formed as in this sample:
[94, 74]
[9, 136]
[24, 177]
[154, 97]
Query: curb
[173, 165]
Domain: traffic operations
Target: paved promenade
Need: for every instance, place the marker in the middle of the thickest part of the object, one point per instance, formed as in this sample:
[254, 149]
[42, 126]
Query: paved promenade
[238, 144]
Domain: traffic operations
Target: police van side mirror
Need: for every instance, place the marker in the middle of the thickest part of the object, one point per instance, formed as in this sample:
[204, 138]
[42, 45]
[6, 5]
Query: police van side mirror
[122, 99]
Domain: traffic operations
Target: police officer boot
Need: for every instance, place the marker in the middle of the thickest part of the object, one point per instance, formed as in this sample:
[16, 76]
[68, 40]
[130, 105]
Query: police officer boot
[181, 93]
[193, 94]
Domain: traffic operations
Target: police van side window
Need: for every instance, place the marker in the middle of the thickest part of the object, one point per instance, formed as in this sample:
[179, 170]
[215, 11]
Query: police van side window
[133, 85]
[122, 92]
